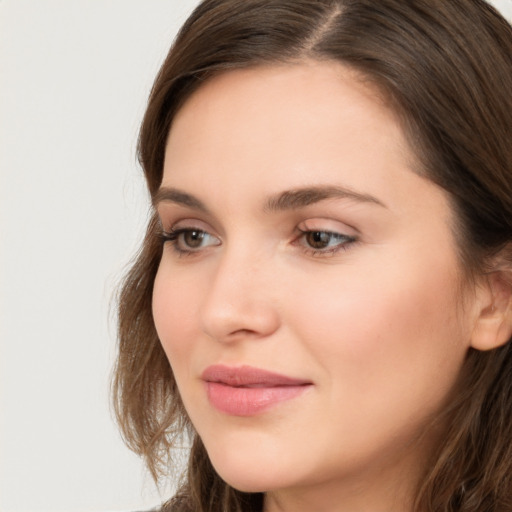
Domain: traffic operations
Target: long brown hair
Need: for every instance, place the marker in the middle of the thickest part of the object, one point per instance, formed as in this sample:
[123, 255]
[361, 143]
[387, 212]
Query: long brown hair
[446, 67]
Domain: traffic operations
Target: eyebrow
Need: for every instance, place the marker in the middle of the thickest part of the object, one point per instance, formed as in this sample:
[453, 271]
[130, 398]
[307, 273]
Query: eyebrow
[294, 199]
[302, 197]
[173, 195]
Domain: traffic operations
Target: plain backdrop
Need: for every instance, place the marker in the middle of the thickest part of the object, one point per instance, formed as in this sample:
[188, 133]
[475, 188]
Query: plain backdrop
[74, 78]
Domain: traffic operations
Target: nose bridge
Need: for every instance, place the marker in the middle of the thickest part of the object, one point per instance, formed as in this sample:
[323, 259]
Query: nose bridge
[238, 299]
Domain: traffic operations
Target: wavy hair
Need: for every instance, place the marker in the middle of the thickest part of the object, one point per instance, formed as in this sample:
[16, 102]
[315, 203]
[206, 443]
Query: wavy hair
[446, 66]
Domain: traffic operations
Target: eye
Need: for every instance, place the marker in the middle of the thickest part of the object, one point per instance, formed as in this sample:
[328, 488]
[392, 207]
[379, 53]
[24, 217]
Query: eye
[324, 242]
[320, 239]
[189, 240]
[193, 239]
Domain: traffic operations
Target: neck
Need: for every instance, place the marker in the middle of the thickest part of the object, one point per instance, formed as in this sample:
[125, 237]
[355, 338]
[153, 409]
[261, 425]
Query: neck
[333, 497]
[390, 487]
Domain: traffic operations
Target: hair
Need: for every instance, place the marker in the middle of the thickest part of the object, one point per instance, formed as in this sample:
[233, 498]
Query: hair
[446, 66]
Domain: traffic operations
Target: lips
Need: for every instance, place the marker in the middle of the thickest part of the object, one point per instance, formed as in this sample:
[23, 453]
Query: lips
[246, 391]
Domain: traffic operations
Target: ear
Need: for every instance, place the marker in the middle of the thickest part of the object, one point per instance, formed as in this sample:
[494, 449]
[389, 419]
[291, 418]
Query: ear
[493, 326]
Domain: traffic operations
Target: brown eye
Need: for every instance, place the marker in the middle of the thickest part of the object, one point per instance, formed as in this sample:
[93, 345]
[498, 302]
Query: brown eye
[193, 238]
[325, 242]
[319, 239]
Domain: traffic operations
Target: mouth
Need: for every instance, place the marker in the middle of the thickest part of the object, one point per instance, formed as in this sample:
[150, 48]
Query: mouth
[247, 391]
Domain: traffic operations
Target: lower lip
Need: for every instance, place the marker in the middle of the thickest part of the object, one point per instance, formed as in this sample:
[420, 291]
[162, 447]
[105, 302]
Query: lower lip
[245, 401]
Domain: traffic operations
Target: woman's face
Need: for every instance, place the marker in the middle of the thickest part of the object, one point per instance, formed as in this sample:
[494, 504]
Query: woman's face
[309, 294]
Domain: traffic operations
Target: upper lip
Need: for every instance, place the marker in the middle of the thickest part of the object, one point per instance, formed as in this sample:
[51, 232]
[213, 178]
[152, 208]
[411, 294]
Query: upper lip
[248, 376]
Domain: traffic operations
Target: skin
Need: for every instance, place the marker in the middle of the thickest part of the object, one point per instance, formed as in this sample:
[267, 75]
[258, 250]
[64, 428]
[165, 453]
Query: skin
[379, 321]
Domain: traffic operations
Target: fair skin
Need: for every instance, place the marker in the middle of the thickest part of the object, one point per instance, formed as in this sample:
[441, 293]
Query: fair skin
[365, 307]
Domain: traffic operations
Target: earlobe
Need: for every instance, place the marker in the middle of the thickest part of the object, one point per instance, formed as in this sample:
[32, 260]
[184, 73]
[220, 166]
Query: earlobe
[493, 326]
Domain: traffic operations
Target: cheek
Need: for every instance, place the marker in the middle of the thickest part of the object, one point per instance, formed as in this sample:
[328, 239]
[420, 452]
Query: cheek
[390, 333]
[173, 313]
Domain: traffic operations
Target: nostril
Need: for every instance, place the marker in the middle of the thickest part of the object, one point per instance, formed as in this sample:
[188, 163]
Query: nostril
[249, 319]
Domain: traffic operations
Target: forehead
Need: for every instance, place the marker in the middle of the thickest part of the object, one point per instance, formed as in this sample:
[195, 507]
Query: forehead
[268, 81]
[287, 115]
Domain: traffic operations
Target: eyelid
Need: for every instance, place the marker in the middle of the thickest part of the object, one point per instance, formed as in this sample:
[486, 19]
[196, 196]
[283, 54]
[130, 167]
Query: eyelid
[173, 224]
[328, 225]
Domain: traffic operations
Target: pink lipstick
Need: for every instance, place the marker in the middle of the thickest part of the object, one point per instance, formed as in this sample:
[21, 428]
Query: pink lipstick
[246, 391]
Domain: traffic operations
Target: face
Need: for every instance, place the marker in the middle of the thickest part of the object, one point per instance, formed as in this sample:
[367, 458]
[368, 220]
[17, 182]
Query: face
[308, 296]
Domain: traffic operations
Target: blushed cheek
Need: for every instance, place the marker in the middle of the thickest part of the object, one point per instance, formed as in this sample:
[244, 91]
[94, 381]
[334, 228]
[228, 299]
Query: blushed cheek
[372, 323]
[171, 313]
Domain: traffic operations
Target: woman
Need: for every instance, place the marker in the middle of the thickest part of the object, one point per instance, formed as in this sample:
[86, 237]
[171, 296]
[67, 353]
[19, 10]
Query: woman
[323, 298]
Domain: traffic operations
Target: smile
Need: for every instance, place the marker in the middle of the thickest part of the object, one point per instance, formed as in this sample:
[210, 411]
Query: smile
[247, 391]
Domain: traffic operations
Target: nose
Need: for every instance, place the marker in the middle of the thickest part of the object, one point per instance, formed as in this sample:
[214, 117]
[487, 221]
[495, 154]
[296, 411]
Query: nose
[240, 300]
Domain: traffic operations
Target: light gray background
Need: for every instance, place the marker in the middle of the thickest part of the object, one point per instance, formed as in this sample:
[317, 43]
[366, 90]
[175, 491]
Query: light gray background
[74, 78]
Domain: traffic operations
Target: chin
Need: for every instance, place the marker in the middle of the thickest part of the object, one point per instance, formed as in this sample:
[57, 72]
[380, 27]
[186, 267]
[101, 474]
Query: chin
[247, 485]
[248, 472]
[254, 481]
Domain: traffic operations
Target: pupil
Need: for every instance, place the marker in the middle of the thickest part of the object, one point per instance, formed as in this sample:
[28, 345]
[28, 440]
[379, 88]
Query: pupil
[318, 239]
[194, 238]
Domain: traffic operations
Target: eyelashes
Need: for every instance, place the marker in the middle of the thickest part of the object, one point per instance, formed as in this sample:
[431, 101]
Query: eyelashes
[190, 241]
[318, 242]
